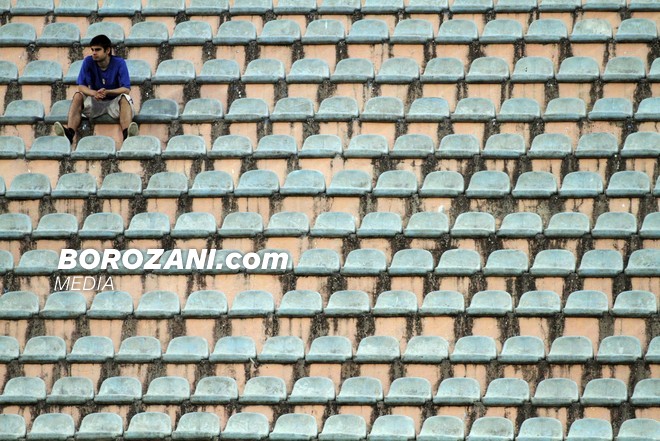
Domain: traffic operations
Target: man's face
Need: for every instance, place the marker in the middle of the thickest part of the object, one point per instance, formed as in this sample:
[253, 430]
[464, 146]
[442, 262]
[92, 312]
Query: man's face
[99, 54]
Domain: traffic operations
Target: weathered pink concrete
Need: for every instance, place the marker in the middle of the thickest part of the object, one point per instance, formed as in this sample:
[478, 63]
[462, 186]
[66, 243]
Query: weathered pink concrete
[38, 22]
[295, 129]
[236, 53]
[505, 51]
[282, 53]
[325, 52]
[265, 92]
[213, 20]
[113, 130]
[170, 91]
[612, 17]
[59, 53]
[417, 52]
[81, 22]
[446, 91]
[120, 206]
[168, 21]
[125, 22]
[377, 53]
[400, 91]
[589, 49]
[247, 129]
[146, 53]
[24, 131]
[496, 93]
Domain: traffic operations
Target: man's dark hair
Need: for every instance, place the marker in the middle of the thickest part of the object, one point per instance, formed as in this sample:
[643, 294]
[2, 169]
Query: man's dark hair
[101, 40]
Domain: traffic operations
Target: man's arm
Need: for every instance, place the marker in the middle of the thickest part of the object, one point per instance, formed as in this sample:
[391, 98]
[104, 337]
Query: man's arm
[86, 90]
[85, 79]
[96, 94]
[115, 92]
[102, 93]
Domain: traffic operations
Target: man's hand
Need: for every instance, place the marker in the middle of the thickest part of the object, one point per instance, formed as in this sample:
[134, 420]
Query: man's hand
[100, 94]
[115, 92]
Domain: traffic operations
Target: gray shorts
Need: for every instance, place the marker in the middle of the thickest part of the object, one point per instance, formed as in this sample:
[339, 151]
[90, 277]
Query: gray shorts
[93, 108]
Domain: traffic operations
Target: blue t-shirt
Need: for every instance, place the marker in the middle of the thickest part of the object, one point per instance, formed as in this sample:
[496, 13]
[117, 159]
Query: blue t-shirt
[113, 77]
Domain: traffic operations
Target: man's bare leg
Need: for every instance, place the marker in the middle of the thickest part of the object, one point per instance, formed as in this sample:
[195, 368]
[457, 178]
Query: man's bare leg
[74, 118]
[128, 127]
[75, 111]
[125, 114]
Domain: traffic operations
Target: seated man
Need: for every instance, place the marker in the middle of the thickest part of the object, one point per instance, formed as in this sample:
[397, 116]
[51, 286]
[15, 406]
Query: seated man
[103, 87]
